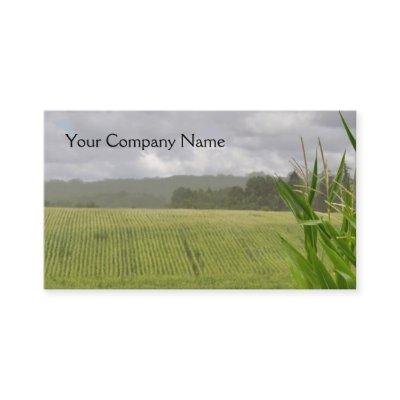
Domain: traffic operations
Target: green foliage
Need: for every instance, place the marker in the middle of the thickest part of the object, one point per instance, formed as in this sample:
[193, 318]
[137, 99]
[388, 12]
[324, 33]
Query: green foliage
[259, 194]
[328, 257]
[253, 192]
[131, 193]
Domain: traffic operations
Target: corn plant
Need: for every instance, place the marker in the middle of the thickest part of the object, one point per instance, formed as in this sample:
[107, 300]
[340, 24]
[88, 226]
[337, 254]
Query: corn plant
[328, 259]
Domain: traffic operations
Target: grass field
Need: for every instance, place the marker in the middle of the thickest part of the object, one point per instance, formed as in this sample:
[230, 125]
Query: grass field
[144, 248]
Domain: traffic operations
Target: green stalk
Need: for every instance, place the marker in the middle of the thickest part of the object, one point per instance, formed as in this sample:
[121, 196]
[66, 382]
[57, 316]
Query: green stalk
[305, 162]
[326, 175]
[328, 257]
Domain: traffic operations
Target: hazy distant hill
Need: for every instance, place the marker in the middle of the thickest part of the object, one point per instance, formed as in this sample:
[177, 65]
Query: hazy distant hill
[147, 192]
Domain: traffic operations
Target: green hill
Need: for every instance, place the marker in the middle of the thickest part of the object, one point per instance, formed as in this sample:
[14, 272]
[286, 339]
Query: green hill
[147, 192]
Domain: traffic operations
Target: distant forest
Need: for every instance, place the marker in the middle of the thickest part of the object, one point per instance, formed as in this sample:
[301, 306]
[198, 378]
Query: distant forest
[132, 193]
[254, 192]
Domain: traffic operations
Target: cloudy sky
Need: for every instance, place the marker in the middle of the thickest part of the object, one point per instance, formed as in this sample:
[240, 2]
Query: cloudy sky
[255, 141]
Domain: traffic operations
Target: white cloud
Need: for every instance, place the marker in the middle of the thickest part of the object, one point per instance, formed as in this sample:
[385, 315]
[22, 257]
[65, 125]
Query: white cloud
[254, 141]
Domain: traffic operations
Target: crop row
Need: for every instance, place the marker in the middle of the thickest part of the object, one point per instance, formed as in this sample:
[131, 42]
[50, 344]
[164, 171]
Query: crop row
[124, 242]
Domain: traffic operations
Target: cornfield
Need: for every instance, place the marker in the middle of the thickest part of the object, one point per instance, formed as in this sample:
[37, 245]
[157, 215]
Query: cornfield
[143, 248]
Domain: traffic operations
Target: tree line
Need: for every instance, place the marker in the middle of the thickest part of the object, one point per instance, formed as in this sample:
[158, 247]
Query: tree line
[256, 191]
[259, 193]
[130, 193]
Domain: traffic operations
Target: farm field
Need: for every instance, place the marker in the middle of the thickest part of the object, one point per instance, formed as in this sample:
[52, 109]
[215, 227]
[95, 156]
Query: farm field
[165, 248]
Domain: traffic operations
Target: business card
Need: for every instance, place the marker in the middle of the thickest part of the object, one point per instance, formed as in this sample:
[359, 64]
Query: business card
[200, 200]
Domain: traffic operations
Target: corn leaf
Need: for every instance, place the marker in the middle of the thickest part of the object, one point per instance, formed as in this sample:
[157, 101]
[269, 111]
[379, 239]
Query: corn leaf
[341, 267]
[348, 131]
[314, 181]
[333, 190]
[301, 263]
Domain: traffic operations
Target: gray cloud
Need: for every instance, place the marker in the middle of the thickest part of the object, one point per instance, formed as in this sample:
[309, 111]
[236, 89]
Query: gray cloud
[256, 141]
